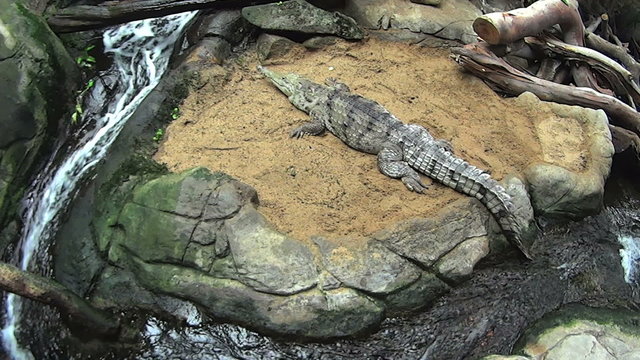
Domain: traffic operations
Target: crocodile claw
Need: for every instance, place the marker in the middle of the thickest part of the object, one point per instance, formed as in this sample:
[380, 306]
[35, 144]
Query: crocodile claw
[414, 184]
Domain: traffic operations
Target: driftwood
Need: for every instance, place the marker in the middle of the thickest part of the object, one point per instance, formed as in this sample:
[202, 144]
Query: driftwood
[505, 78]
[507, 27]
[615, 73]
[85, 17]
[598, 43]
[78, 312]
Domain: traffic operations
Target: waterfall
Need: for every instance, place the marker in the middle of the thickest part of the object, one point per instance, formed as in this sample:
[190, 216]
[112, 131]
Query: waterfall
[141, 51]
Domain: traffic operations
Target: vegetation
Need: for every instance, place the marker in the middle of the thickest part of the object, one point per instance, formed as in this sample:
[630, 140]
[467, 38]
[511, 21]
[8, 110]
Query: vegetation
[77, 113]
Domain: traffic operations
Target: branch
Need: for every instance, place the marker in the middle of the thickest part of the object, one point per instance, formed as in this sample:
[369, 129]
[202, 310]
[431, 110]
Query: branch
[507, 27]
[85, 17]
[620, 78]
[503, 77]
[598, 43]
[50, 292]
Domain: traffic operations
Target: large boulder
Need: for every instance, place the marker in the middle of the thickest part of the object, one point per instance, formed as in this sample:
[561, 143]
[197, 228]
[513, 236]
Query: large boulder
[451, 20]
[38, 78]
[576, 159]
[300, 16]
[198, 236]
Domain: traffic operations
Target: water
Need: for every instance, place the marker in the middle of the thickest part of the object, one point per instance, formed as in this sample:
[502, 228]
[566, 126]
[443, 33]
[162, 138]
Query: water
[630, 255]
[141, 51]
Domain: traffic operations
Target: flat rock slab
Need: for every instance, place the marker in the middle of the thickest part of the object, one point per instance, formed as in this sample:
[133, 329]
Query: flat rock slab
[451, 20]
[300, 16]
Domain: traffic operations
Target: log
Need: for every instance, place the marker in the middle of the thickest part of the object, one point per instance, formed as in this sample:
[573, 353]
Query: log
[75, 309]
[507, 27]
[86, 17]
[505, 78]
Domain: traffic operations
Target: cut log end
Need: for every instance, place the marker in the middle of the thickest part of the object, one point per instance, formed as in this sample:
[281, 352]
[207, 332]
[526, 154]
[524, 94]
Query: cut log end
[487, 30]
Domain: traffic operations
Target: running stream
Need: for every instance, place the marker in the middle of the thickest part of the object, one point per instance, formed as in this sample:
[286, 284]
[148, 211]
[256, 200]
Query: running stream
[141, 51]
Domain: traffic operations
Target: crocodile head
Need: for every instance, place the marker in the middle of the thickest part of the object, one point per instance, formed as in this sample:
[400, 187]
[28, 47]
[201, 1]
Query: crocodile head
[302, 92]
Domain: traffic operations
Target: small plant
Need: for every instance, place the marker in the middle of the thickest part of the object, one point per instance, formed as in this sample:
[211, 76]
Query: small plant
[159, 135]
[175, 113]
[77, 113]
[85, 60]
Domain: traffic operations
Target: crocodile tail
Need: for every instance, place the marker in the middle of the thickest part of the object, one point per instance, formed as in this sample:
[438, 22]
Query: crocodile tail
[468, 179]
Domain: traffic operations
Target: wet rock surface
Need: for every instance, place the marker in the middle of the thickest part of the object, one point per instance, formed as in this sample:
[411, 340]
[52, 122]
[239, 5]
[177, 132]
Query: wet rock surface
[39, 77]
[576, 332]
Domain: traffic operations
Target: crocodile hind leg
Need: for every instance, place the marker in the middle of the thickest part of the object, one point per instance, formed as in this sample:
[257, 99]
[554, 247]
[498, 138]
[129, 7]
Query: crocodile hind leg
[391, 164]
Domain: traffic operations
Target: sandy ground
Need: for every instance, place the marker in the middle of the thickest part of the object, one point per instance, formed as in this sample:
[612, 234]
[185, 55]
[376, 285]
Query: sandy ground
[318, 185]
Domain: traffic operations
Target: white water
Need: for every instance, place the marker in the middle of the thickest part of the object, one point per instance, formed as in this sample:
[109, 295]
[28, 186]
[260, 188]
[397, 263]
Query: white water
[141, 52]
[630, 256]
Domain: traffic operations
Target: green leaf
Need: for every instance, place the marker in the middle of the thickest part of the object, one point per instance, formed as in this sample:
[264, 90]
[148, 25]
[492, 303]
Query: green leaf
[566, 2]
[89, 48]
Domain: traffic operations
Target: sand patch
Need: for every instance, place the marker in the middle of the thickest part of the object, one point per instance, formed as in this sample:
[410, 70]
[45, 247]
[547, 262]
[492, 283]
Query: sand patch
[318, 185]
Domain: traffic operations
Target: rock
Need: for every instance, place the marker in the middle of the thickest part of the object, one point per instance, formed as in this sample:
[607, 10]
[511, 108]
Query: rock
[197, 236]
[273, 46]
[319, 42]
[451, 20]
[427, 240]
[427, 2]
[489, 6]
[417, 295]
[312, 314]
[226, 24]
[300, 16]
[627, 149]
[213, 50]
[370, 267]
[576, 159]
[458, 264]
[39, 78]
[581, 333]
[267, 260]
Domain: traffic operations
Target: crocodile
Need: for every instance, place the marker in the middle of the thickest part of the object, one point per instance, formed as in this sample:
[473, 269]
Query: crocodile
[403, 150]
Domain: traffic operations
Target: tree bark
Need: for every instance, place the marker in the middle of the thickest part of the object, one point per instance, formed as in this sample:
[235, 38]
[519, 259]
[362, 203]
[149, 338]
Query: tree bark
[503, 77]
[85, 17]
[78, 312]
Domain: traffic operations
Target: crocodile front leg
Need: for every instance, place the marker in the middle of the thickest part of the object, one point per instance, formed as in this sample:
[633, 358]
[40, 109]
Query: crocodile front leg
[391, 164]
[314, 127]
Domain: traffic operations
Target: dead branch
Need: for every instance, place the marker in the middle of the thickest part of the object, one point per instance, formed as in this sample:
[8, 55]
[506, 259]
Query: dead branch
[619, 78]
[507, 27]
[505, 78]
[85, 17]
[50, 292]
[620, 53]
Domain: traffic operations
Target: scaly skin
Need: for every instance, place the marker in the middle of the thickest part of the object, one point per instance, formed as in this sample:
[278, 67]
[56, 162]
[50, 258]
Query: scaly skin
[403, 150]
